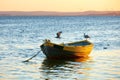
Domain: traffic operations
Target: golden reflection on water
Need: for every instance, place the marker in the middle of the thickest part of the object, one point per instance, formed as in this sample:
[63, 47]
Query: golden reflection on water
[82, 59]
[64, 61]
[64, 68]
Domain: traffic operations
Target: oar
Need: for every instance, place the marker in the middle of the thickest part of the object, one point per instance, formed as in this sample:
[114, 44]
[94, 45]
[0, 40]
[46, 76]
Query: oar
[32, 57]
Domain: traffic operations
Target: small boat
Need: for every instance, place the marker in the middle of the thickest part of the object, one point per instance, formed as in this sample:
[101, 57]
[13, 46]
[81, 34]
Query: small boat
[78, 49]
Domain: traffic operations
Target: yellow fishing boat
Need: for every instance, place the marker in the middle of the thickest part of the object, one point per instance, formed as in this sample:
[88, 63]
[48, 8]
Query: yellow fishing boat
[76, 49]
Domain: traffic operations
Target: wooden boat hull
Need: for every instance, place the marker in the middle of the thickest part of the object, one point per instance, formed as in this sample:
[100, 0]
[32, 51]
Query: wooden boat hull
[56, 51]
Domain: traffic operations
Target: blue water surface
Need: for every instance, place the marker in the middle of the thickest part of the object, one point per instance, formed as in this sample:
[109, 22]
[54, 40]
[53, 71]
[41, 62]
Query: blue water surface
[21, 36]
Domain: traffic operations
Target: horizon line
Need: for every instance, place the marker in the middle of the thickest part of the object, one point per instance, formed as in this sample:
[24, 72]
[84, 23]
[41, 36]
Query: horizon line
[55, 13]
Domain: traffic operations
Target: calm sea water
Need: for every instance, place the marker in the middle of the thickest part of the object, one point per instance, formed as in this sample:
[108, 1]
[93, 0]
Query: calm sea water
[20, 38]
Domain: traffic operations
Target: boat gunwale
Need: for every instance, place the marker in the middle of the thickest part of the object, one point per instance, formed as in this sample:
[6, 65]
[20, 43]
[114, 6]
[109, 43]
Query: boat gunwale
[68, 44]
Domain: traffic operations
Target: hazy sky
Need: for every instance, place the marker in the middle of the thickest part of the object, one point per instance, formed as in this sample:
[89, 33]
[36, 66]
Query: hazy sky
[59, 5]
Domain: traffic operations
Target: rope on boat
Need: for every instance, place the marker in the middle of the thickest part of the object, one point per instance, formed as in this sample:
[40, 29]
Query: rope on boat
[32, 57]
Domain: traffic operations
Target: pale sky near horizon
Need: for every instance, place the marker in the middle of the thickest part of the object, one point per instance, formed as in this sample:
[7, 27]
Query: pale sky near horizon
[60, 5]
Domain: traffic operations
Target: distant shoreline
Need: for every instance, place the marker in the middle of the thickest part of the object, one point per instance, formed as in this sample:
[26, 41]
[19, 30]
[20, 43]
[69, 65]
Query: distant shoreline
[53, 13]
